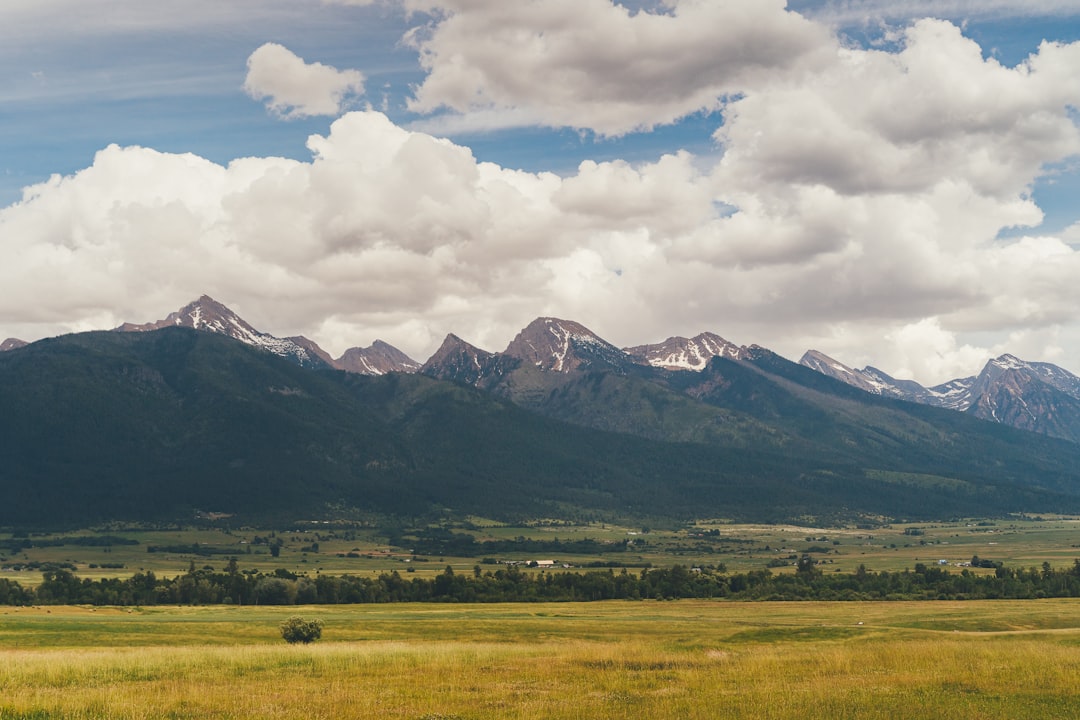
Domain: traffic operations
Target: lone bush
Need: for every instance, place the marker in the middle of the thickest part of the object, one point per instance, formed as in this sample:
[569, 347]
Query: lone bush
[299, 630]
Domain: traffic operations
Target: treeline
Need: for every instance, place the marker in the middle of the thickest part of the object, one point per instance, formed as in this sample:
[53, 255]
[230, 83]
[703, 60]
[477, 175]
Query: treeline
[20, 543]
[511, 584]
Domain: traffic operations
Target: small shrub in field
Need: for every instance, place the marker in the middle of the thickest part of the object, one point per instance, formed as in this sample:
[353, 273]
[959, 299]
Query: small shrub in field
[298, 630]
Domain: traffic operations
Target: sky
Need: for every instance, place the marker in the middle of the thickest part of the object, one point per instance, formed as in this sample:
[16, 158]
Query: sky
[891, 182]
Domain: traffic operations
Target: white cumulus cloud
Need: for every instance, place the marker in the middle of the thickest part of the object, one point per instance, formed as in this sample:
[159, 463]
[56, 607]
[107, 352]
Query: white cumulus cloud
[403, 236]
[881, 122]
[594, 64]
[855, 204]
[293, 88]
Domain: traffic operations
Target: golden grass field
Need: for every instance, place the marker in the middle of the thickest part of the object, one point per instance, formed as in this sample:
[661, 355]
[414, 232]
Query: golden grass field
[686, 659]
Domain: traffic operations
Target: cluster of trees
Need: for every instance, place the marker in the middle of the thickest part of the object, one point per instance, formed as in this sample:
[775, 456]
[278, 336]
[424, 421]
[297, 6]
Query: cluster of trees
[511, 584]
[22, 541]
[301, 630]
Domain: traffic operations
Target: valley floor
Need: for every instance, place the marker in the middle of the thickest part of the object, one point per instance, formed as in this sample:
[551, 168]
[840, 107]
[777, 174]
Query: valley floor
[685, 659]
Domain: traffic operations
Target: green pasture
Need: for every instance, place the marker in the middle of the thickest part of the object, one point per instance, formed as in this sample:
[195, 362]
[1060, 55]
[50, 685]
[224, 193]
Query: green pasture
[687, 659]
[1016, 542]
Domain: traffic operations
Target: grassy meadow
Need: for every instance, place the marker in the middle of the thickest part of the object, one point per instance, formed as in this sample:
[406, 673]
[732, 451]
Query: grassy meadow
[686, 659]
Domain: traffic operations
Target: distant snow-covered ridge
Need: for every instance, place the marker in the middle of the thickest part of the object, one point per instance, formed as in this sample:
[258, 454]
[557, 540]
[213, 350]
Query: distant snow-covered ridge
[1036, 396]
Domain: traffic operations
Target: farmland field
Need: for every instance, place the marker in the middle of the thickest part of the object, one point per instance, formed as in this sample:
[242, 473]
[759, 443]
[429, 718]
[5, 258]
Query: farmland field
[685, 659]
[1017, 542]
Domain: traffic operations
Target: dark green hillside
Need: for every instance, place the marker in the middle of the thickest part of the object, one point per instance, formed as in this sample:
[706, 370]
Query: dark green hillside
[632, 402]
[882, 434]
[770, 407]
[155, 425]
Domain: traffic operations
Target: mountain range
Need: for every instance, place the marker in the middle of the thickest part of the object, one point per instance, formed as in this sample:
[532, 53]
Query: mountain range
[1035, 396]
[210, 315]
[202, 411]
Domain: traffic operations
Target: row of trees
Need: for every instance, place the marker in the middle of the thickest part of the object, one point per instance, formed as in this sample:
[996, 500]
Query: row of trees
[206, 587]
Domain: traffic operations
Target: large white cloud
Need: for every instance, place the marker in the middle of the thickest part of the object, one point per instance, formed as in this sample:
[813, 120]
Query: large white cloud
[1071, 234]
[877, 122]
[392, 234]
[593, 64]
[385, 233]
[293, 88]
[855, 207]
[887, 176]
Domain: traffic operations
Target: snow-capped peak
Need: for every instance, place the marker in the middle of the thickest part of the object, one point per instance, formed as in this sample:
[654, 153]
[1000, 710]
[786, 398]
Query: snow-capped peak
[209, 315]
[562, 346]
[679, 353]
[377, 359]
[1009, 362]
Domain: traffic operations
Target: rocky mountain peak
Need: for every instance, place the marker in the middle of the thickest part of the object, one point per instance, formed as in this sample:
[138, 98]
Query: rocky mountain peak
[1008, 362]
[563, 346]
[872, 380]
[377, 359]
[208, 315]
[12, 344]
[679, 353]
[1007, 380]
[1048, 373]
[459, 361]
[1035, 396]
[453, 345]
[816, 360]
[1039, 397]
[202, 314]
[313, 348]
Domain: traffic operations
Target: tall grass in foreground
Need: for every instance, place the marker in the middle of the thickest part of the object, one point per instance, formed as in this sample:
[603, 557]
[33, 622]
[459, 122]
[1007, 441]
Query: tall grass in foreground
[625, 661]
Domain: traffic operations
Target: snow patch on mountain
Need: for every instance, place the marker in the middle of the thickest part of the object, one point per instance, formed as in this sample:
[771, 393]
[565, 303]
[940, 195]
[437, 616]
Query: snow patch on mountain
[679, 353]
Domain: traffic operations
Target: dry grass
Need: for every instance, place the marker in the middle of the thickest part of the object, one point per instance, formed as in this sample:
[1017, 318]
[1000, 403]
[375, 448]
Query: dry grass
[595, 661]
